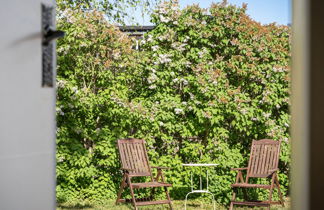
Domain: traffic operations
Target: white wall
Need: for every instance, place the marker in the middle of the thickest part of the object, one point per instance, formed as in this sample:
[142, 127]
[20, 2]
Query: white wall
[27, 111]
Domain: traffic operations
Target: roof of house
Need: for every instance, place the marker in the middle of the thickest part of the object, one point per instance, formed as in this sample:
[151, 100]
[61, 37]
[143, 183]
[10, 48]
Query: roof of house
[132, 29]
[136, 31]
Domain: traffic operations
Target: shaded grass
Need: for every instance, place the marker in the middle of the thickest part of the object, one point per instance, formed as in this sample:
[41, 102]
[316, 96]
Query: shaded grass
[177, 204]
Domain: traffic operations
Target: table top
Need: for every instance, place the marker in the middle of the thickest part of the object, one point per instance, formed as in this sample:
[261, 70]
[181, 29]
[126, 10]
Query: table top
[200, 164]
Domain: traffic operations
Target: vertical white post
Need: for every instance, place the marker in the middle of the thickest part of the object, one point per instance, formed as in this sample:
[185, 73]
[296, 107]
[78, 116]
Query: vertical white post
[300, 106]
[27, 111]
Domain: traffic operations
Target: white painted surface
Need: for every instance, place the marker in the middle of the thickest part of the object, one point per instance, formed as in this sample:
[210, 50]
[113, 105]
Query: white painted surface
[27, 112]
[300, 106]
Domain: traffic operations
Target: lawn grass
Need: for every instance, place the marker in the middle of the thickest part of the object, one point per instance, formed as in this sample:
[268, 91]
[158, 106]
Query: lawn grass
[177, 204]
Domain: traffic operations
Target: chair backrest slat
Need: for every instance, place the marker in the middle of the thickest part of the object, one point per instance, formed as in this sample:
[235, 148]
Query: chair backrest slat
[133, 155]
[264, 157]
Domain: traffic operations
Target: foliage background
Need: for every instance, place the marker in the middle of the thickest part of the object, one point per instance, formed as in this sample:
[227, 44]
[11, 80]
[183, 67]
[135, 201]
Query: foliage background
[205, 83]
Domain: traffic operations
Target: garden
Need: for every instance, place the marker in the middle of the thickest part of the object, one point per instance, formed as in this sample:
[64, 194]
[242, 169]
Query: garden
[202, 86]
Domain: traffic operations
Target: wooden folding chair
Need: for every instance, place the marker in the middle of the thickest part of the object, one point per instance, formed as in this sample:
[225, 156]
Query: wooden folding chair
[263, 163]
[134, 161]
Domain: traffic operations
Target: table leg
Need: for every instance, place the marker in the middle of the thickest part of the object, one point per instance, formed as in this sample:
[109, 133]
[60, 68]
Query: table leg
[191, 181]
[200, 179]
[213, 199]
[207, 180]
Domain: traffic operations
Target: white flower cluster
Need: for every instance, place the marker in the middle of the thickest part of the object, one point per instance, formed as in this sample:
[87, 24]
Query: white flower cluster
[266, 94]
[155, 47]
[152, 78]
[116, 54]
[244, 111]
[168, 12]
[59, 110]
[118, 101]
[68, 14]
[61, 83]
[166, 36]
[163, 8]
[142, 42]
[278, 69]
[187, 64]
[164, 58]
[75, 90]
[266, 115]
[149, 38]
[65, 49]
[276, 130]
[178, 111]
[153, 70]
[83, 44]
[60, 159]
[178, 46]
[202, 53]
[207, 115]
[152, 86]
[164, 19]
[254, 119]
[184, 81]
[186, 39]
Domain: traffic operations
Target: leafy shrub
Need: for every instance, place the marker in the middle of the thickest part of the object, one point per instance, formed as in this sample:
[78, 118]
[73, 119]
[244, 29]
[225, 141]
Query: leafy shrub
[90, 112]
[205, 83]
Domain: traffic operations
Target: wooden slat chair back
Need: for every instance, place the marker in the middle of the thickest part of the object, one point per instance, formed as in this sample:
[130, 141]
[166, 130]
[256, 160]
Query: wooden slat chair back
[133, 156]
[135, 163]
[263, 163]
[264, 158]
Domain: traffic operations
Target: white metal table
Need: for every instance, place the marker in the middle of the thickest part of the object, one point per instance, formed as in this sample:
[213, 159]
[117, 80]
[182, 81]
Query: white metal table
[201, 190]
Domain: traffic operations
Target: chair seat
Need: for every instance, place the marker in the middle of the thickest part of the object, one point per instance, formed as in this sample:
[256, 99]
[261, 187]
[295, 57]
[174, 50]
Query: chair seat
[247, 185]
[150, 184]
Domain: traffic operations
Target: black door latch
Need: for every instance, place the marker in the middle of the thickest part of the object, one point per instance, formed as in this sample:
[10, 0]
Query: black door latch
[50, 35]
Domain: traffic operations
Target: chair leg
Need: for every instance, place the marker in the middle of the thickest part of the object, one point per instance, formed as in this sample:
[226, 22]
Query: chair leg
[132, 193]
[152, 193]
[245, 194]
[233, 199]
[168, 197]
[270, 198]
[160, 174]
[279, 192]
[121, 189]
[271, 190]
[240, 177]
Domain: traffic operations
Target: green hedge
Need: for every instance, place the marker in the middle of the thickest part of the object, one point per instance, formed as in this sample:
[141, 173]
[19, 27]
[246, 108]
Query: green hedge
[205, 83]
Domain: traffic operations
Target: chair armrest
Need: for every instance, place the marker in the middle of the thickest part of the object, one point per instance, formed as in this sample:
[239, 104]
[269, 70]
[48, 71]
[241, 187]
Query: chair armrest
[160, 167]
[238, 169]
[273, 170]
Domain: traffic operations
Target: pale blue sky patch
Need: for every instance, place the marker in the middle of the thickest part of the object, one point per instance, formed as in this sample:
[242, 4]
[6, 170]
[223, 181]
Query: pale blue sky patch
[264, 11]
